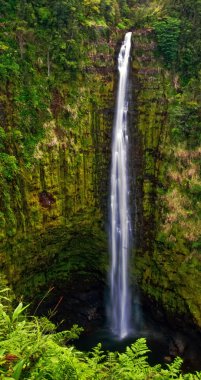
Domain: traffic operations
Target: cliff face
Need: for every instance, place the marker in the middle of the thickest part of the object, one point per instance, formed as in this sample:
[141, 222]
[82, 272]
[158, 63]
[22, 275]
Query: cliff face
[55, 129]
[164, 175]
[54, 210]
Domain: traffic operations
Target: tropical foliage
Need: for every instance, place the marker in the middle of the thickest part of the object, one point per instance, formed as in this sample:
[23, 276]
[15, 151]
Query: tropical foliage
[31, 349]
[47, 50]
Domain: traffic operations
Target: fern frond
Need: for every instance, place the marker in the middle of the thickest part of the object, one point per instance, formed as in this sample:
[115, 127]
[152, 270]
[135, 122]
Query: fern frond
[65, 336]
[139, 348]
[97, 353]
[175, 367]
[190, 376]
[70, 373]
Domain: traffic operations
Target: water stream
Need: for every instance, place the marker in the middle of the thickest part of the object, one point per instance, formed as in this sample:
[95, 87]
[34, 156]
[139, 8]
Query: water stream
[120, 297]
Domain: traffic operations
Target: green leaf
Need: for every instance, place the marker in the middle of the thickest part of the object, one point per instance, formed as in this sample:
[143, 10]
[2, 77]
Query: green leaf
[18, 369]
[19, 309]
[2, 351]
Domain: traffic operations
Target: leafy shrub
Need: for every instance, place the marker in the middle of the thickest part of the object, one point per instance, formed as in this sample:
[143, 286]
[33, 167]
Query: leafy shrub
[31, 349]
[167, 33]
[8, 166]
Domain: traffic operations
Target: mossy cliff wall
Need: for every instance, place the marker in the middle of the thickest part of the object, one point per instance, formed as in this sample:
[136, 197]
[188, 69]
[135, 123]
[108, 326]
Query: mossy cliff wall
[54, 209]
[54, 202]
[164, 177]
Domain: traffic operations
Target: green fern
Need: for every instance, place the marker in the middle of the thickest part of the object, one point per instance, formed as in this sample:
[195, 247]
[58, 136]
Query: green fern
[41, 354]
[112, 371]
[189, 376]
[173, 370]
[134, 360]
[175, 367]
[96, 362]
[64, 337]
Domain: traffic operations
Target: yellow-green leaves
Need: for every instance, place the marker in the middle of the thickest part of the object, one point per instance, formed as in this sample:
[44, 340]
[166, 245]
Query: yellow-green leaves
[18, 311]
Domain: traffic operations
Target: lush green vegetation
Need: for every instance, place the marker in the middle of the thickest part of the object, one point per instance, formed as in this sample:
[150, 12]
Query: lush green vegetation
[167, 33]
[42, 44]
[31, 349]
[178, 34]
[189, 46]
[51, 53]
[46, 48]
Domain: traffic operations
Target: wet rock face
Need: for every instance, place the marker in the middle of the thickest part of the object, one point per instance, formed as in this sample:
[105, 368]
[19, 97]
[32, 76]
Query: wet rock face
[46, 199]
[177, 346]
[166, 264]
[148, 129]
[173, 333]
[186, 345]
[54, 212]
[80, 301]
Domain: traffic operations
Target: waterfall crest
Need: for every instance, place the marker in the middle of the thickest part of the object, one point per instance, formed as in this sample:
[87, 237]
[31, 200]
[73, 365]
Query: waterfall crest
[120, 298]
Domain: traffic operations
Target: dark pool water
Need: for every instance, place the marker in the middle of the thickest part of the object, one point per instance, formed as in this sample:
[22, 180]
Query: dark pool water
[165, 343]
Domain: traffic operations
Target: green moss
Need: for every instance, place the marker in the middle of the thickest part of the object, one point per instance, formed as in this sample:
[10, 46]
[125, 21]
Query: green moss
[45, 243]
[167, 263]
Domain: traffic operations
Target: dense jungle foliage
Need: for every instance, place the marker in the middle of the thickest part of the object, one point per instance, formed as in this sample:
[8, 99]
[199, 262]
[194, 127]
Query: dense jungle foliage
[178, 37]
[46, 48]
[45, 53]
[30, 348]
[43, 44]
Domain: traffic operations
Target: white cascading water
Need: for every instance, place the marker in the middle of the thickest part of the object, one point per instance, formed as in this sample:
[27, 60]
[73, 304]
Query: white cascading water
[120, 298]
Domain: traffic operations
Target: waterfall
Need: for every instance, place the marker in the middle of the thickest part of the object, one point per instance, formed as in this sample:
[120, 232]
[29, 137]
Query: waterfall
[120, 298]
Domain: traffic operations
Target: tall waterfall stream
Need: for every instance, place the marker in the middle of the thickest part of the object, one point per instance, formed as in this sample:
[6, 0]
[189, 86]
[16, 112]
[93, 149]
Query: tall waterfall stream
[120, 298]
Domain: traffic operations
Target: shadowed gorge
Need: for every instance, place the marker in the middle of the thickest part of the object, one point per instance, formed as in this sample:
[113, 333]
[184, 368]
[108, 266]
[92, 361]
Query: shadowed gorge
[59, 82]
